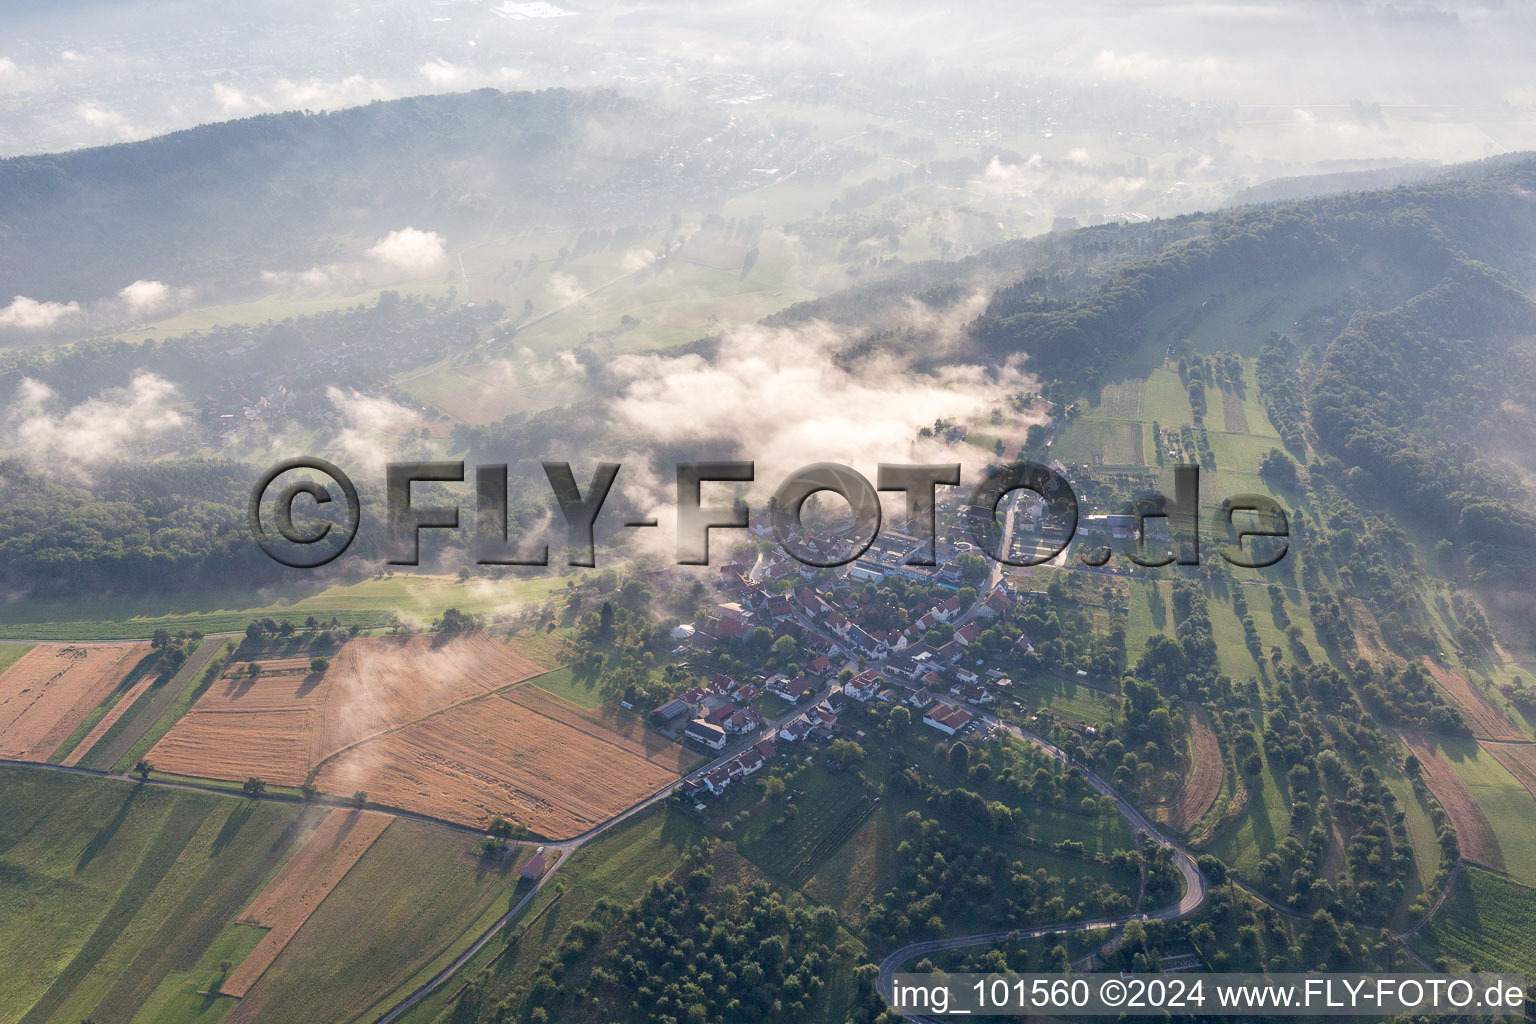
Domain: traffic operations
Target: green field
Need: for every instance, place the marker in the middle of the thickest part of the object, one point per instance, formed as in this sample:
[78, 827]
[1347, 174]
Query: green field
[618, 865]
[414, 894]
[113, 889]
[1421, 834]
[562, 682]
[1485, 923]
[1078, 703]
[1266, 818]
[10, 654]
[118, 903]
[180, 693]
[1510, 810]
[416, 599]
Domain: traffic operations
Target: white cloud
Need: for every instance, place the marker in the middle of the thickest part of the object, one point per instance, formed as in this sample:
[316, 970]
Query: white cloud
[31, 315]
[787, 397]
[410, 250]
[564, 289]
[320, 94]
[95, 431]
[234, 101]
[107, 119]
[374, 429]
[145, 296]
[444, 75]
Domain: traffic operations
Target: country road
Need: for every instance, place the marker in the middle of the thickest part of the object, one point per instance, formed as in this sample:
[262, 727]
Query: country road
[1188, 903]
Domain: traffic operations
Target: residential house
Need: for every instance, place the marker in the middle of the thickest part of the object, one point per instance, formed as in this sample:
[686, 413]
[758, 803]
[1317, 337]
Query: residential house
[948, 720]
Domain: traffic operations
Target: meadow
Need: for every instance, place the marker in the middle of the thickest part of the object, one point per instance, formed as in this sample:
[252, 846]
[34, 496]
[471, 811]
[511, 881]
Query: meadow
[370, 604]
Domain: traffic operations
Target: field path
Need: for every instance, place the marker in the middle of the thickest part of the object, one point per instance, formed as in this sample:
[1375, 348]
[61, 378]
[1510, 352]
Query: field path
[1486, 719]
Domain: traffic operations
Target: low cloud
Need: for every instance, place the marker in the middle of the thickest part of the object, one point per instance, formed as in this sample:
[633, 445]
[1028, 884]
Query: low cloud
[410, 250]
[107, 119]
[374, 430]
[145, 297]
[788, 397]
[324, 94]
[444, 75]
[31, 315]
[72, 440]
[236, 101]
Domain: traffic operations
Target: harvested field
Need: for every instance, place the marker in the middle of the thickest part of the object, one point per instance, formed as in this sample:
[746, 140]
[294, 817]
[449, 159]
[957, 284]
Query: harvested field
[317, 867]
[528, 755]
[53, 688]
[108, 720]
[1135, 446]
[1473, 833]
[1204, 782]
[1233, 416]
[1485, 718]
[287, 722]
[610, 724]
[1519, 759]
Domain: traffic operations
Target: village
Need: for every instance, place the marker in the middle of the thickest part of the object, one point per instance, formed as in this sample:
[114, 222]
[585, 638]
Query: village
[858, 652]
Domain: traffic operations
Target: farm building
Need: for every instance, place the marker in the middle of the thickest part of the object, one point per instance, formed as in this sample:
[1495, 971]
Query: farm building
[712, 736]
[671, 711]
[535, 866]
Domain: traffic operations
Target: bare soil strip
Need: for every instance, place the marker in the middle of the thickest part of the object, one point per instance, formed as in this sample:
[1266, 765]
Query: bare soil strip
[1204, 782]
[1233, 416]
[1473, 833]
[317, 867]
[1485, 718]
[108, 720]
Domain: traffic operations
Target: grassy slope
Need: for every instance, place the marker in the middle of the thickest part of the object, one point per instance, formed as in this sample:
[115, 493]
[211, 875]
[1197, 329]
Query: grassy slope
[414, 892]
[1510, 810]
[368, 603]
[114, 888]
[10, 654]
[618, 865]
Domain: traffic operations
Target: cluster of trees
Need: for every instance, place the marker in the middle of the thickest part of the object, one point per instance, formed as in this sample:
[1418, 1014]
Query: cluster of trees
[941, 873]
[694, 949]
